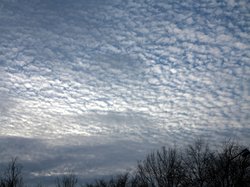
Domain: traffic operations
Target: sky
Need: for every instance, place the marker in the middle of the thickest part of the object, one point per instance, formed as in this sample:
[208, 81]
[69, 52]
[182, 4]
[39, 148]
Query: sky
[91, 86]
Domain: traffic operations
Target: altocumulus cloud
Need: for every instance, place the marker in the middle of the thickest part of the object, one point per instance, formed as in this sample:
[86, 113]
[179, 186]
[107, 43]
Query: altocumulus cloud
[112, 73]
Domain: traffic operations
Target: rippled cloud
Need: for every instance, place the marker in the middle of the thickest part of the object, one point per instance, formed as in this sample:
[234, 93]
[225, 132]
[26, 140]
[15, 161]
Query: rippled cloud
[143, 71]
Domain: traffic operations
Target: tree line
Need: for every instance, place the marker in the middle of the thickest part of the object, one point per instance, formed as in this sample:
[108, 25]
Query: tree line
[197, 165]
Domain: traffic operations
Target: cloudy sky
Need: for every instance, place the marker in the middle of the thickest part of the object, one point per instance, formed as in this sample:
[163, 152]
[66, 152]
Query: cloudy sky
[90, 86]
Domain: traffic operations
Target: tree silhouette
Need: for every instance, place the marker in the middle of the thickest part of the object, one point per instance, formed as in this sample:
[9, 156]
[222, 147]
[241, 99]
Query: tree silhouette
[197, 160]
[161, 168]
[67, 181]
[118, 181]
[12, 176]
[195, 166]
[230, 168]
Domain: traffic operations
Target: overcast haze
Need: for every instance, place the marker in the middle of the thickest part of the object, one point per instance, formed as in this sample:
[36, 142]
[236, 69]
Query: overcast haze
[93, 85]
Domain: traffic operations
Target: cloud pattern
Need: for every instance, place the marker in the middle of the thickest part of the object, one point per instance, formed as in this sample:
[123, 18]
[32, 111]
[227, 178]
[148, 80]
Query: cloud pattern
[143, 71]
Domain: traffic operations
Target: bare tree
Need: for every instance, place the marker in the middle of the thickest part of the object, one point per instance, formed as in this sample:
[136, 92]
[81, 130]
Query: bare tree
[196, 166]
[231, 168]
[12, 176]
[162, 168]
[118, 181]
[67, 181]
[197, 161]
